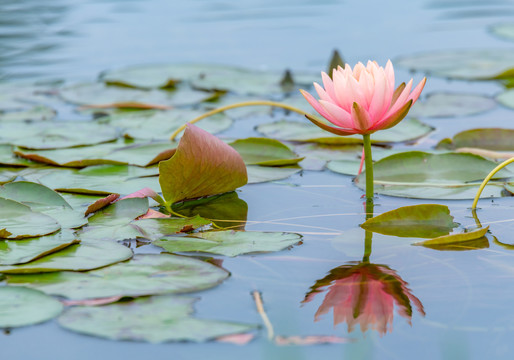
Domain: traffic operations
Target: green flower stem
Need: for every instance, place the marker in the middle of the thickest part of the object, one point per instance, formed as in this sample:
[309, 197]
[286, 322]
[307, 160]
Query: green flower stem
[369, 167]
[368, 235]
[486, 180]
[237, 105]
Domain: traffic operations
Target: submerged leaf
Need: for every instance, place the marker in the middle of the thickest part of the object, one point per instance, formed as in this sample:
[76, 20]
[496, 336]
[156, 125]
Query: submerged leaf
[203, 165]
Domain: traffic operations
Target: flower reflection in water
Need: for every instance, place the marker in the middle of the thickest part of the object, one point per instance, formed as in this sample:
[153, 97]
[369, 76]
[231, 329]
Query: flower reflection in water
[365, 294]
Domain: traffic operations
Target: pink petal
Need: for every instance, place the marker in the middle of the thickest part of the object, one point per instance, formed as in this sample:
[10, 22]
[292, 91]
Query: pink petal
[402, 99]
[339, 116]
[316, 105]
[343, 96]
[329, 86]
[360, 117]
[417, 91]
[323, 95]
[380, 102]
[333, 130]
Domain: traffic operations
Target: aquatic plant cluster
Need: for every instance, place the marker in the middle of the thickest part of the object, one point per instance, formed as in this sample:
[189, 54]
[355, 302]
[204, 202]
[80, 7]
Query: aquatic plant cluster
[81, 198]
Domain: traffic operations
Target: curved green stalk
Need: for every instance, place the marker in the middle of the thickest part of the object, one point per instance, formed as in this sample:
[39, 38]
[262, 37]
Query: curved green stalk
[237, 105]
[369, 167]
[486, 180]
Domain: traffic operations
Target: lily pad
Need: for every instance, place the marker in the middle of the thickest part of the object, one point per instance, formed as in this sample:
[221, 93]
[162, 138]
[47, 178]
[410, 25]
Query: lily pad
[100, 179]
[7, 157]
[18, 221]
[470, 240]
[265, 152]
[407, 130]
[36, 113]
[144, 274]
[422, 175]
[259, 174]
[99, 94]
[505, 31]
[496, 139]
[423, 221]
[113, 221]
[229, 242]
[506, 98]
[21, 307]
[225, 211]
[49, 136]
[22, 251]
[144, 320]
[154, 229]
[203, 165]
[477, 64]
[159, 125]
[345, 167]
[79, 257]
[452, 105]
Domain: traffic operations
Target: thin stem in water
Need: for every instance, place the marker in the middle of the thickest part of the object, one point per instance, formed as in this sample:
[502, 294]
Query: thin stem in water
[369, 167]
[233, 106]
[489, 177]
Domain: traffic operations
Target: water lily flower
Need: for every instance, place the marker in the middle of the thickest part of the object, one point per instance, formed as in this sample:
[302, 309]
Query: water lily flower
[362, 100]
[365, 294]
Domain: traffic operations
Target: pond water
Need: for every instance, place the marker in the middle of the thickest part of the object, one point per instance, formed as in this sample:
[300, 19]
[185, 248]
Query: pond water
[466, 295]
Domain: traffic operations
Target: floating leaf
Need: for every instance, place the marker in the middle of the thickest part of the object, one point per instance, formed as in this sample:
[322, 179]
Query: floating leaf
[84, 256]
[258, 174]
[22, 251]
[229, 242]
[159, 125]
[154, 229]
[505, 31]
[100, 179]
[470, 240]
[48, 136]
[145, 193]
[19, 221]
[407, 130]
[265, 152]
[21, 307]
[144, 274]
[451, 104]
[101, 203]
[422, 175]
[36, 113]
[486, 138]
[113, 221]
[345, 167]
[423, 221]
[101, 94]
[144, 320]
[475, 64]
[225, 211]
[7, 157]
[203, 165]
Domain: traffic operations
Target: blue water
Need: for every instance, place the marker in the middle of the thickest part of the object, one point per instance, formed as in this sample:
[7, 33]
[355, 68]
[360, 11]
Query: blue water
[467, 296]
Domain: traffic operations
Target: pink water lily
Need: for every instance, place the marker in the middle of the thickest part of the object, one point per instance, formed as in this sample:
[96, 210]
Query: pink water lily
[362, 100]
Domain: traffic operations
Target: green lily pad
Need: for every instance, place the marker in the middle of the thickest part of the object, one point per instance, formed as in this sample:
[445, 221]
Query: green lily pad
[265, 152]
[224, 211]
[451, 105]
[113, 221]
[99, 94]
[99, 179]
[345, 167]
[79, 257]
[144, 274]
[423, 221]
[22, 251]
[19, 221]
[478, 64]
[470, 240]
[43, 200]
[259, 174]
[21, 307]
[7, 157]
[49, 136]
[407, 130]
[159, 125]
[154, 229]
[36, 113]
[432, 176]
[144, 320]
[506, 98]
[496, 139]
[203, 165]
[229, 242]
